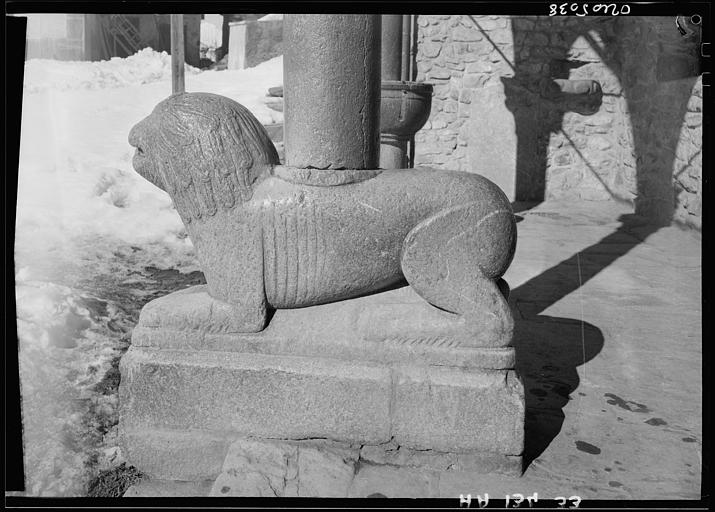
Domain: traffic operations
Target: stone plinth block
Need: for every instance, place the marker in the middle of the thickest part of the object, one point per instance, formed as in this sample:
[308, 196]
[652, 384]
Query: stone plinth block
[285, 397]
[388, 327]
[452, 410]
[186, 395]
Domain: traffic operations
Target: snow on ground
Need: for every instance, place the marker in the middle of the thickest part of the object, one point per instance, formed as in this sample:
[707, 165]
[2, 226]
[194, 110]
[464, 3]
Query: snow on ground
[146, 66]
[88, 228]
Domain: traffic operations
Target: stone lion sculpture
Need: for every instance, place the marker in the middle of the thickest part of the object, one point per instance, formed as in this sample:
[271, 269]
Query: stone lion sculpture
[270, 236]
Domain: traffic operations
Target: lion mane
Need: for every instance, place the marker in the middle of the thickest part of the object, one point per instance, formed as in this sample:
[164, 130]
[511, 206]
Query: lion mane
[208, 152]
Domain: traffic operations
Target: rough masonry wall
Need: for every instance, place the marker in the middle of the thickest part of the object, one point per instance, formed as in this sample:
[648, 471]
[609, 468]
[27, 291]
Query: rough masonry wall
[643, 144]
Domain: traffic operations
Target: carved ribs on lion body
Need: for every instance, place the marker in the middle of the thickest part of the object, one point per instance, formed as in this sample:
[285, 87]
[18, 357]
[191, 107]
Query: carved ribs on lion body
[294, 254]
[322, 244]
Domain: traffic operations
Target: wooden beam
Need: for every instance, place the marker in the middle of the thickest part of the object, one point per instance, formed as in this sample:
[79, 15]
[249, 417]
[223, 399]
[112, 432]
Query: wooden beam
[177, 53]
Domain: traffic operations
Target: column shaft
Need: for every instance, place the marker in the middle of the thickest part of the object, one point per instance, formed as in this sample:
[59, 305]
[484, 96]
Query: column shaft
[331, 69]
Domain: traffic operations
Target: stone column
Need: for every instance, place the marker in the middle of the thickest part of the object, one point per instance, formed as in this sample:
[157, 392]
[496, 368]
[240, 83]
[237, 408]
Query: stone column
[331, 69]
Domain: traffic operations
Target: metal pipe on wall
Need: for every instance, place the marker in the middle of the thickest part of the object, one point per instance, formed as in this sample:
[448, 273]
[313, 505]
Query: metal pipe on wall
[413, 77]
[404, 75]
[391, 51]
[413, 48]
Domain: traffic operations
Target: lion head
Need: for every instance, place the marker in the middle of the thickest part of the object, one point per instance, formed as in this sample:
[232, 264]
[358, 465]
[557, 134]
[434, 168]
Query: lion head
[205, 150]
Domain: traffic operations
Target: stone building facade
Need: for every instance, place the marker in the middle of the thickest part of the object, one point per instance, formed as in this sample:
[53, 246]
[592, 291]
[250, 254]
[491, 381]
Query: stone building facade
[642, 146]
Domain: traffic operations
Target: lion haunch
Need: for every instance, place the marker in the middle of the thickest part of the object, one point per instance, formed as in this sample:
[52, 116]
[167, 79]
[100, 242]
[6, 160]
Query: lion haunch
[272, 236]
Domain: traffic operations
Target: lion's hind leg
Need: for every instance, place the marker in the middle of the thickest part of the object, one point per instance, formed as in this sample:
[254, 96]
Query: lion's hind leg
[455, 259]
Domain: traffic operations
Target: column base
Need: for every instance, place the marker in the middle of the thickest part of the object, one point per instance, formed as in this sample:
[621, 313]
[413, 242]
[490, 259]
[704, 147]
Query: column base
[417, 401]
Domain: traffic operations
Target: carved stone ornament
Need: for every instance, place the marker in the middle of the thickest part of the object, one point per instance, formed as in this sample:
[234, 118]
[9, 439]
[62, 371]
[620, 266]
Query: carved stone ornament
[269, 236]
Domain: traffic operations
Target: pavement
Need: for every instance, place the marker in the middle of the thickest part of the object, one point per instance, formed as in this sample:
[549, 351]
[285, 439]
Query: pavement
[609, 347]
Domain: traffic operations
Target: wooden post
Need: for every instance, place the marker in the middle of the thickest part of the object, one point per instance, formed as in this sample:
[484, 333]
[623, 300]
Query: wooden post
[177, 53]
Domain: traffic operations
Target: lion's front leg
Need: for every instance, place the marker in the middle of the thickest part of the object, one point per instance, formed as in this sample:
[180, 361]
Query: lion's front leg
[233, 266]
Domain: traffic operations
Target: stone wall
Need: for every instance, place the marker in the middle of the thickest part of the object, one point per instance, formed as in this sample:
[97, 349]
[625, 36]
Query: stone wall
[490, 115]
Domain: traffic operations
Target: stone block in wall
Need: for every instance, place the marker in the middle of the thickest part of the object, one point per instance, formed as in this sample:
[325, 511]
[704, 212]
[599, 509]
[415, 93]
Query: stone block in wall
[475, 80]
[502, 35]
[598, 143]
[441, 90]
[454, 64]
[466, 34]
[479, 67]
[451, 107]
[460, 49]
[438, 74]
[562, 180]
[489, 24]
[430, 49]
[454, 91]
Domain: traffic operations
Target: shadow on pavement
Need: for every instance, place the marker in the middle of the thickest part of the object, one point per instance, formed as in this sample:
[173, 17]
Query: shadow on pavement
[550, 349]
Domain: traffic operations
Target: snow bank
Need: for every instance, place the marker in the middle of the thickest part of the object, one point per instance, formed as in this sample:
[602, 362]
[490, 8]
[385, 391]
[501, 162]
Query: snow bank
[76, 183]
[87, 226]
[78, 195]
[144, 67]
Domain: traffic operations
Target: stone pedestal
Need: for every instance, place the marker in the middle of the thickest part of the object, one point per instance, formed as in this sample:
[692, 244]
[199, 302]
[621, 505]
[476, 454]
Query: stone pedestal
[294, 364]
[369, 372]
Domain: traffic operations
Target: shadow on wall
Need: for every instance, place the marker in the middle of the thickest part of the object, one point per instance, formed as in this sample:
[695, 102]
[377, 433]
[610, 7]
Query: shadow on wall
[656, 63]
[550, 349]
